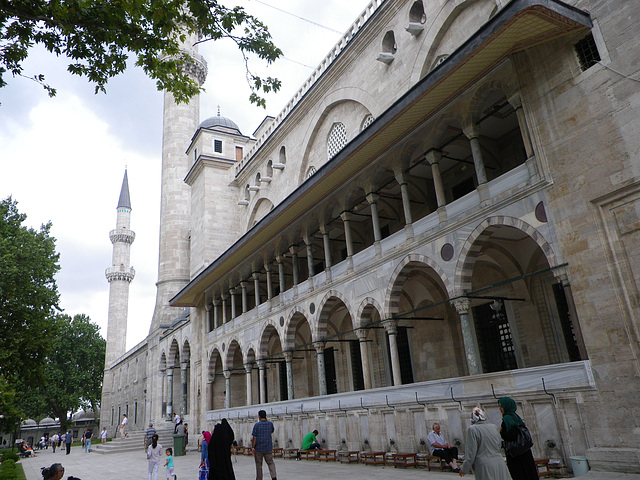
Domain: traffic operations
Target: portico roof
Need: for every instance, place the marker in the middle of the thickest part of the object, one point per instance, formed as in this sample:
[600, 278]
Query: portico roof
[520, 25]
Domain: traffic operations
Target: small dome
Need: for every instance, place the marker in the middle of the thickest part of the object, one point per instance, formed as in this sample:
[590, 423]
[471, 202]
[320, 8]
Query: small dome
[219, 121]
[83, 415]
[29, 423]
[47, 421]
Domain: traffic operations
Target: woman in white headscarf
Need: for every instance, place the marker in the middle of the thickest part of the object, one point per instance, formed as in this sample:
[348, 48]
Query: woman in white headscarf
[482, 449]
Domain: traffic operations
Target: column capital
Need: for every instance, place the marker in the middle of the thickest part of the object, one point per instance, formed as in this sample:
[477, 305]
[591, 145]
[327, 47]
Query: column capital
[288, 356]
[262, 364]
[207, 306]
[292, 249]
[391, 326]
[433, 156]
[362, 334]
[227, 374]
[324, 229]
[373, 197]
[256, 275]
[267, 267]
[462, 305]
[248, 367]
[401, 177]
[471, 131]
[232, 291]
[243, 285]
[319, 346]
[346, 216]
[515, 101]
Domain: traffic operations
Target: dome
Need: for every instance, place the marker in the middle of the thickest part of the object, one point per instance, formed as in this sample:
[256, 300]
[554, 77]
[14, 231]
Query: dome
[83, 415]
[47, 421]
[29, 423]
[219, 121]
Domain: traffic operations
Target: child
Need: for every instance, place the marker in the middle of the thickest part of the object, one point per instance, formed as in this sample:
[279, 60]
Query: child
[169, 464]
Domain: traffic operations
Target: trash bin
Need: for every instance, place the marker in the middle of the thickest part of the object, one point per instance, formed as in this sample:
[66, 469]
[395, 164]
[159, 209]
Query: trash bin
[579, 465]
[178, 445]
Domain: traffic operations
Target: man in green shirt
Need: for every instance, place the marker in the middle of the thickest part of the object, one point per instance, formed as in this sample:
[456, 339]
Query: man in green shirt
[310, 442]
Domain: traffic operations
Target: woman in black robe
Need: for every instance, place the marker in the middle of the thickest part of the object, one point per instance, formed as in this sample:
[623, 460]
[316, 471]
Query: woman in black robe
[521, 467]
[220, 467]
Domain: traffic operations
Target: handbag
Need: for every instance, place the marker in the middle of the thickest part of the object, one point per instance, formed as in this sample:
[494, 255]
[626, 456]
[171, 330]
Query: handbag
[520, 444]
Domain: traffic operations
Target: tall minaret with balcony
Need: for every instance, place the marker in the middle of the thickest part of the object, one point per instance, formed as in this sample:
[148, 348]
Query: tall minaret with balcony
[119, 275]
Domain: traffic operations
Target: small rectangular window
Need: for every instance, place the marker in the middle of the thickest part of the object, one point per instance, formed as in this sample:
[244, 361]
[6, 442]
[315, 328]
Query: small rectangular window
[587, 51]
[217, 146]
[238, 154]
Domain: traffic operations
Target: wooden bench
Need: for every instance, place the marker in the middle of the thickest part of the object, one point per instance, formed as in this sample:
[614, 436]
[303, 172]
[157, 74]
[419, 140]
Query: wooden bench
[373, 458]
[349, 457]
[544, 464]
[327, 455]
[309, 454]
[290, 453]
[404, 460]
[278, 452]
[431, 461]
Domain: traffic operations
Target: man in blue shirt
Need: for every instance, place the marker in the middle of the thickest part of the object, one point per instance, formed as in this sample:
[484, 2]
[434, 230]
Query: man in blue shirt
[262, 446]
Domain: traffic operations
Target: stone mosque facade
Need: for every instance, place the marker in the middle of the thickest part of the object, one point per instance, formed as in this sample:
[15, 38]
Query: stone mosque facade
[446, 212]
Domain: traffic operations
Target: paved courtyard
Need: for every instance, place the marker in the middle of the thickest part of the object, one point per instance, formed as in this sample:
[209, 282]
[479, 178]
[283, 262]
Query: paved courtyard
[133, 465]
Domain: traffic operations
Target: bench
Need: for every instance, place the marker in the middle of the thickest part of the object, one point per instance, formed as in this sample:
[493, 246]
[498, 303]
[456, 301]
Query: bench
[290, 453]
[349, 457]
[404, 460]
[309, 454]
[278, 452]
[327, 455]
[373, 458]
[544, 464]
[431, 461]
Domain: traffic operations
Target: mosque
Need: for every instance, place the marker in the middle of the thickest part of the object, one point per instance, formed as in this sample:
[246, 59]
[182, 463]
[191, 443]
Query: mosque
[447, 211]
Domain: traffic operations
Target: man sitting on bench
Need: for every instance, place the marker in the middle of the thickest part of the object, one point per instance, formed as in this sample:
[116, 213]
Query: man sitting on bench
[440, 448]
[310, 442]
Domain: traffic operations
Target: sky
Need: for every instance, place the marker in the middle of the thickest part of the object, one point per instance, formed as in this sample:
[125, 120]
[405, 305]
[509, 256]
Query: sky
[63, 158]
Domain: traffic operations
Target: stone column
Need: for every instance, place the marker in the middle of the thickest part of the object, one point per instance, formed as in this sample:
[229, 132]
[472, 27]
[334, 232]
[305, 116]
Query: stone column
[433, 157]
[322, 377]
[224, 309]
[326, 246]
[169, 391]
[267, 267]
[216, 317]
[391, 326]
[470, 351]
[262, 369]
[294, 264]
[401, 178]
[248, 369]
[516, 103]
[472, 134]
[183, 381]
[288, 357]
[209, 395]
[245, 301]
[281, 279]
[227, 385]
[373, 198]
[256, 287]
[232, 293]
[210, 324]
[309, 244]
[346, 220]
[364, 356]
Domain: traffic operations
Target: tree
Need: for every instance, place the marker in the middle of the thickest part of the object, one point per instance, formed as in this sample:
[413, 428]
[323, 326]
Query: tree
[28, 294]
[72, 375]
[98, 35]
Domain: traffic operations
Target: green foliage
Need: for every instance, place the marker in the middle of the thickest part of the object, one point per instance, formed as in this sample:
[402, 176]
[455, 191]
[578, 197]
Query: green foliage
[9, 409]
[28, 294]
[98, 36]
[6, 455]
[8, 470]
[72, 375]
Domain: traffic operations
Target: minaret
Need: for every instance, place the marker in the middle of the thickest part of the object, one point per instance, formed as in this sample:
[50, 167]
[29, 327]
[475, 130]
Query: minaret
[119, 275]
[180, 122]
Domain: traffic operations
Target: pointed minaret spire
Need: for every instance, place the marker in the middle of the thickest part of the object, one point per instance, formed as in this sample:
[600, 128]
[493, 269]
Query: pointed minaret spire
[125, 199]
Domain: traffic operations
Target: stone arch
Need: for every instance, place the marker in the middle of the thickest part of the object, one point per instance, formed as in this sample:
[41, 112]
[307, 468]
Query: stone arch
[330, 300]
[234, 345]
[174, 354]
[185, 354]
[478, 239]
[163, 361]
[263, 346]
[296, 316]
[399, 277]
[474, 109]
[365, 311]
[214, 357]
[262, 206]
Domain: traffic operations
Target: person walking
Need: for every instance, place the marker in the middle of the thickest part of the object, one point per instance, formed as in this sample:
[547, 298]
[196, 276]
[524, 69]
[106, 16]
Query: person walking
[103, 435]
[87, 440]
[123, 426]
[482, 449]
[68, 438]
[203, 473]
[262, 445]
[154, 452]
[220, 464]
[151, 431]
[54, 442]
[521, 467]
[168, 465]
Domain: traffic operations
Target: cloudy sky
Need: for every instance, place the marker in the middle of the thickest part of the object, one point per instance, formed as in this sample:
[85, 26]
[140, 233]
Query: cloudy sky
[63, 159]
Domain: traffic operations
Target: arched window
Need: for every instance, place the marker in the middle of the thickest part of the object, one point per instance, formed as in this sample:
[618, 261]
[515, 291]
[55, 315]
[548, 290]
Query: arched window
[258, 179]
[368, 120]
[270, 169]
[389, 43]
[337, 139]
[283, 155]
[416, 14]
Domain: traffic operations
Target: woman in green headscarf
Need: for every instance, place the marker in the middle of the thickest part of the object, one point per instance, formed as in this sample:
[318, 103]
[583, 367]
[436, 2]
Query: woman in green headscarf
[521, 467]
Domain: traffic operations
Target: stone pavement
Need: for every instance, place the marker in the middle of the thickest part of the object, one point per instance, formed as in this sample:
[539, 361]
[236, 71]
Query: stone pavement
[133, 466]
